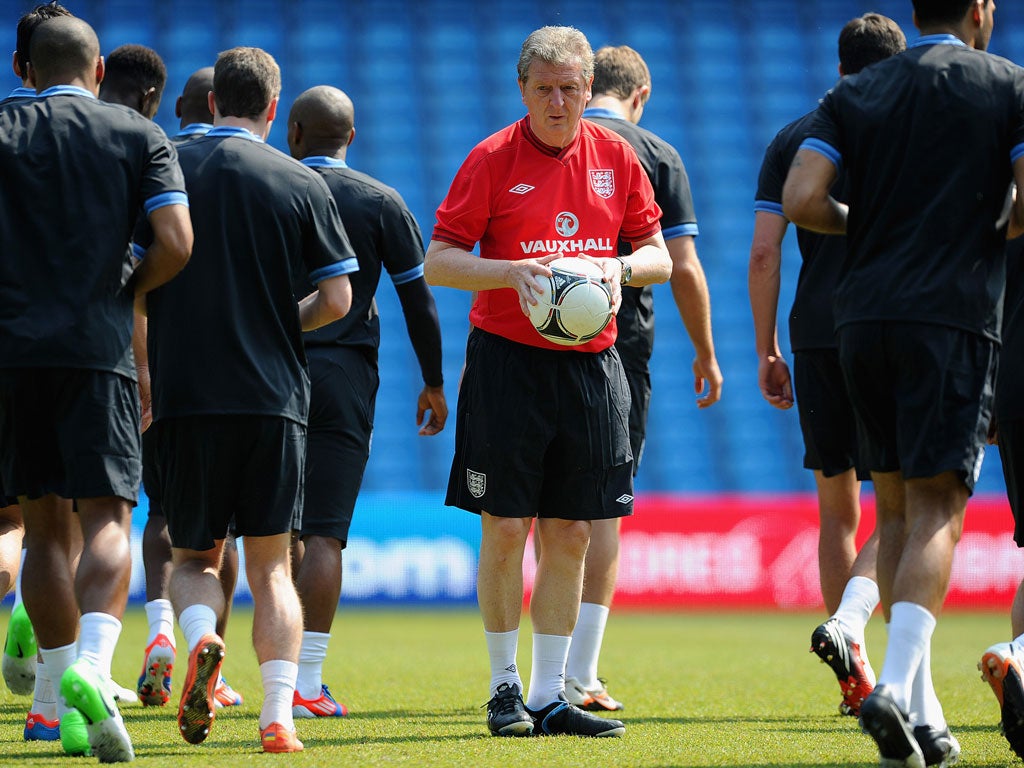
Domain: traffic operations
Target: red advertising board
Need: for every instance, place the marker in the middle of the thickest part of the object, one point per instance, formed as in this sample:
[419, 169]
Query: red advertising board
[727, 551]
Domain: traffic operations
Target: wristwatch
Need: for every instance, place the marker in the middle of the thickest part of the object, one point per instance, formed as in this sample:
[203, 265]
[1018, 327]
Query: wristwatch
[627, 271]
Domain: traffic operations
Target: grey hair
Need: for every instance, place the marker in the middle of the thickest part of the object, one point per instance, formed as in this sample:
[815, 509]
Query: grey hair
[556, 45]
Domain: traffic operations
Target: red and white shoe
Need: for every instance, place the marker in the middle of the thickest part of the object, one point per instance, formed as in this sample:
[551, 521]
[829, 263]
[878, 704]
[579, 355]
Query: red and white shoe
[1002, 671]
[154, 686]
[591, 699]
[226, 696]
[276, 738]
[322, 706]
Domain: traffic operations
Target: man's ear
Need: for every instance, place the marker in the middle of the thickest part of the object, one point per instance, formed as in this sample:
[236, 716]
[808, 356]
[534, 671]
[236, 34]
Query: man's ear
[177, 108]
[211, 102]
[30, 74]
[150, 103]
[351, 137]
[272, 108]
[16, 66]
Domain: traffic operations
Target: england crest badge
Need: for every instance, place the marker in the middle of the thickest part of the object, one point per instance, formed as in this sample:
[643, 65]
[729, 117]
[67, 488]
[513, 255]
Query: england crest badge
[603, 182]
[476, 482]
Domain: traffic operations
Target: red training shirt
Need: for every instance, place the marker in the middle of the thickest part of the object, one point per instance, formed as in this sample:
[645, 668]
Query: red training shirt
[520, 198]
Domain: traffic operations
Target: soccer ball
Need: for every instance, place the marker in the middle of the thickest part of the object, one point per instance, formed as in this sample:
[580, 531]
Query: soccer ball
[574, 305]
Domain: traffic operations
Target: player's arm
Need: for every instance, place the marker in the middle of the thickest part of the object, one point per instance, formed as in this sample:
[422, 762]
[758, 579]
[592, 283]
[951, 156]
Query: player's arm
[454, 267]
[169, 251]
[650, 262]
[139, 336]
[806, 198]
[690, 292]
[329, 302]
[763, 279]
[424, 331]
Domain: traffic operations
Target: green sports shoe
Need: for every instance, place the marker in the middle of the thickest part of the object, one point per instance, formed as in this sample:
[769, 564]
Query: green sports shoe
[73, 736]
[83, 689]
[20, 649]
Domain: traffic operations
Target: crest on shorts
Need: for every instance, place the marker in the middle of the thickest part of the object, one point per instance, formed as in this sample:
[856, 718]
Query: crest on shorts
[476, 482]
[603, 182]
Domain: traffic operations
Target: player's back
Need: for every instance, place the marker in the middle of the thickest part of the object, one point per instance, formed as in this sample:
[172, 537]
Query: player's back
[926, 138]
[811, 322]
[225, 334]
[75, 174]
[384, 235]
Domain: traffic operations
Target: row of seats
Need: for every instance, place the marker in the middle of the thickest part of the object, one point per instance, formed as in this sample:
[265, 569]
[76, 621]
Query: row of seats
[430, 78]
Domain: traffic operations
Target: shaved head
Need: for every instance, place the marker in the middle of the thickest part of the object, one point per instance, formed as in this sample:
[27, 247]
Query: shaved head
[193, 105]
[63, 50]
[326, 115]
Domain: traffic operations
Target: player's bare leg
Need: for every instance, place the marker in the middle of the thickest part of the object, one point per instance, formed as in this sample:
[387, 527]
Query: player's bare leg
[317, 566]
[848, 586]
[583, 687]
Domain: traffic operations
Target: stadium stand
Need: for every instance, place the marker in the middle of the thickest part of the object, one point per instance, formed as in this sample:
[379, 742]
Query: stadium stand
[430, 78]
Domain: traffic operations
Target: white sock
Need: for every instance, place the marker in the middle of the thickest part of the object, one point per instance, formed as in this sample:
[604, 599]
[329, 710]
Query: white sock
[925, 708]
[311, 664]
[17, 582]
[160, 615]
[910, 632]
[502, 648]
[586, 644]
[97, 639]
[57, 661]
[860, 598]
[195, 621]
[44, 697]
[547, 676]
[278, 688]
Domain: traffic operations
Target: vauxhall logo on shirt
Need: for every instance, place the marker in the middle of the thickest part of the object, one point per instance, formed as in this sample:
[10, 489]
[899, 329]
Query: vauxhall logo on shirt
[567, 224]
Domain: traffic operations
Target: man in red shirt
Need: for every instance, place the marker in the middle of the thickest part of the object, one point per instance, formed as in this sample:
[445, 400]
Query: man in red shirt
[542, 430]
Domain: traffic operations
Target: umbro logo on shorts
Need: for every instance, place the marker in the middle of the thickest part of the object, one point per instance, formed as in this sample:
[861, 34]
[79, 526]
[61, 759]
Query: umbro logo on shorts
[624, 499]
[521, 189]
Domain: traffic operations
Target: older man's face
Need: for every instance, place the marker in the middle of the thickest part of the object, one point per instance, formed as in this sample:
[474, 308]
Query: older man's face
[555, 97]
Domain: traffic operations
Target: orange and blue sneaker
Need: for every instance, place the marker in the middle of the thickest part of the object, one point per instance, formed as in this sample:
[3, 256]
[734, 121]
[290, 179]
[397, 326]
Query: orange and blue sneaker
[38, 728]
[276, 738]
[848, 662]
[226, 696]
[196, 710]
[19, 657]
[154, 685]
[323, 705]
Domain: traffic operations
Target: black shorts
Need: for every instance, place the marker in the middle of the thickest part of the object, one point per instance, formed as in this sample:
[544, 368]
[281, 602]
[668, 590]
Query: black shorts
[343, 394]
[640, 405]
[922, 394]
[541, 433]
[150, 480]
[827, 421]
[1011, 454]
[214, 468]
[71, 432]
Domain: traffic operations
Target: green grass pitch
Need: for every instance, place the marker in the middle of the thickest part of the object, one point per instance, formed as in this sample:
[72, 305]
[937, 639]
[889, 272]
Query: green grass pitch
[701, 689]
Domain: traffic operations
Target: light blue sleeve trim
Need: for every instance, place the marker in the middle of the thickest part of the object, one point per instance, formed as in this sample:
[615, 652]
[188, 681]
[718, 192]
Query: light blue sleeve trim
[164, 199]
[343, 267]
[408, 276]
[1016, 153]
[680, 230]
[826, 149]
[767, 206]
[138, 251]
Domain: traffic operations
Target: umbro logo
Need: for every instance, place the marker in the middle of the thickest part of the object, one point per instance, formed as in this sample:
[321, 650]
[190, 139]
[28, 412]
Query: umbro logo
[521, 189]
[624, 499]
